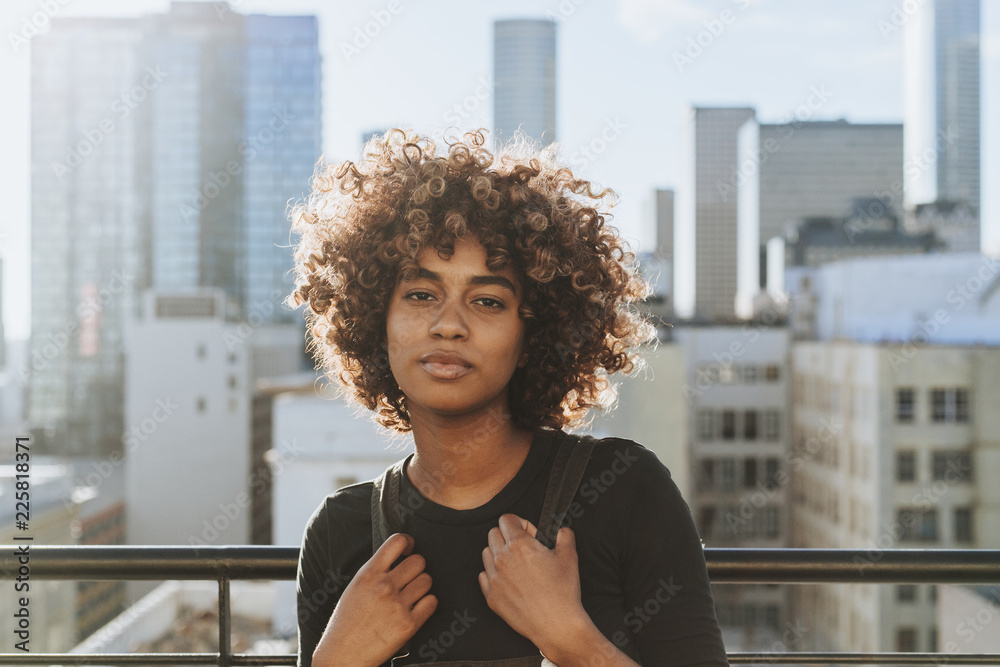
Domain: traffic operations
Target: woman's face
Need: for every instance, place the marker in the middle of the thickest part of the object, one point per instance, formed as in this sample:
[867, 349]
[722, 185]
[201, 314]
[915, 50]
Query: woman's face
[454, 334]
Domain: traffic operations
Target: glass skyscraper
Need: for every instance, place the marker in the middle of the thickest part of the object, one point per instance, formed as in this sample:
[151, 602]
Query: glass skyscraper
[165, 150]
[524, 71]
[942, 90]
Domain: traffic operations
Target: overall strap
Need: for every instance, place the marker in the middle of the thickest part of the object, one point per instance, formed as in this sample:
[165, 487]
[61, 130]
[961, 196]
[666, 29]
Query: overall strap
[385, 505]
[564, 480]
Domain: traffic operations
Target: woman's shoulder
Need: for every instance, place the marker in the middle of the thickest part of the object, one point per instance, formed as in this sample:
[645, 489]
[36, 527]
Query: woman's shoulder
[620, 456]
[346, 508]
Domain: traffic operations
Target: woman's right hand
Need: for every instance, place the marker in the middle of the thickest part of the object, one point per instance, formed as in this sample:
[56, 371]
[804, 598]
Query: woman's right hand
[380, 609]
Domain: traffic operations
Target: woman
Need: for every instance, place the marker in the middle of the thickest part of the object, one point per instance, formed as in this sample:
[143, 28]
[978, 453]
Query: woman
[480, 301]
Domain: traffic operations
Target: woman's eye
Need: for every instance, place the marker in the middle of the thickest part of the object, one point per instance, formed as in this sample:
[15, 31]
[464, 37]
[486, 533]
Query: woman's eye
[489, 302]
[419, 296]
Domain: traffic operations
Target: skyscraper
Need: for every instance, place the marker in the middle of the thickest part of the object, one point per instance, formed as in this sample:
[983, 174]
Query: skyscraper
[524, 71]
[942, 102]
[164, 149]
[705, 231]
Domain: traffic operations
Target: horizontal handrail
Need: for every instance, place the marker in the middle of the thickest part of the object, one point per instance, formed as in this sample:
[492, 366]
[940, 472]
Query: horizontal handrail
[724, 565]
[223, 563]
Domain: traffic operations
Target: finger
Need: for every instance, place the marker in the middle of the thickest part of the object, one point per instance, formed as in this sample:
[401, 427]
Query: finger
[530, 528]
[565, 540]
[484, 584]
[416, 589]
[423, 609]
[398, 544]
[513, 527]
[495, 540]
[488, 564]
[407, 570]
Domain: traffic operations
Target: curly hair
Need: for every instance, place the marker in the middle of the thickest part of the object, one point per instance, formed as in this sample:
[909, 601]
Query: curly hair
[365, 223]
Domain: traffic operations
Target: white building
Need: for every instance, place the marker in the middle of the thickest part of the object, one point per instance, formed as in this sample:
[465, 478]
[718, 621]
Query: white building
[187, 435]
[892, 444]
[736, 388]
[950, 298]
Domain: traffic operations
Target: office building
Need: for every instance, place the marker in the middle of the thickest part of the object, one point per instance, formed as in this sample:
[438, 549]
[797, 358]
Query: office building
[812, 170]
[942, 102]
[705, 236]
[524, 73]
[165, 149]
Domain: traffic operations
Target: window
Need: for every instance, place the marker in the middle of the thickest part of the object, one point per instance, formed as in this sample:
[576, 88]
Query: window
[963, 524]
[906, 639]
[200, 351]
[916, 525]
[750, 374]
[728, 424]
[961, 405]
[771, 525]
[952, 466]
[200, 404]
[706, 425]
[772, 373]
[904, 406]
[906, 466]
[771, 472]
[728, 474]
[706, 480]
[232, 382]
[949, 405]
[750, 473]
[772, 430]
[906, 593]
[729, 374]
[750, 425]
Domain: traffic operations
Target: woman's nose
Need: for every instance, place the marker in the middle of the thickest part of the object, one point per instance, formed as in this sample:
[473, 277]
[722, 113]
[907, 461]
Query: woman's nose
[449, 323]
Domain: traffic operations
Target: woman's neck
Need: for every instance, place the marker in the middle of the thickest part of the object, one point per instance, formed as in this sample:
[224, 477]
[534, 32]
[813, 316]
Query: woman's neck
[462, 463]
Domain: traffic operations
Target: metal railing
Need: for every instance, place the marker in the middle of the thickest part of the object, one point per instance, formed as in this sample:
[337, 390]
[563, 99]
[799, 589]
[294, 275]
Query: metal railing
[224, 564]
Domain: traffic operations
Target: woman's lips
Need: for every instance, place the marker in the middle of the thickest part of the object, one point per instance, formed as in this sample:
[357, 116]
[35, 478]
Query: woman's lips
[445, 365]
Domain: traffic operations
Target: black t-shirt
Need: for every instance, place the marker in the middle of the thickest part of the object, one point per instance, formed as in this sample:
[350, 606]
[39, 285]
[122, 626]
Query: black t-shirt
[642, 569]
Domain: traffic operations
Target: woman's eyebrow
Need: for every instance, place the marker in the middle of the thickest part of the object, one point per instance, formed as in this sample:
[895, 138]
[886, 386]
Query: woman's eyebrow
[500, 281]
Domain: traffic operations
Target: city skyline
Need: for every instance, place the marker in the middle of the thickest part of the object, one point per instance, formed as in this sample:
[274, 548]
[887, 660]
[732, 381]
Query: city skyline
[615, 126]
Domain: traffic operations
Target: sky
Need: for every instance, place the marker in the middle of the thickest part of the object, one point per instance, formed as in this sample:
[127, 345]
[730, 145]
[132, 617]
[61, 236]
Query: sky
[627, 71]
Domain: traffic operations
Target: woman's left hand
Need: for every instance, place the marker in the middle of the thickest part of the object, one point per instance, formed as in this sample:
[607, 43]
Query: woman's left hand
[534, 589]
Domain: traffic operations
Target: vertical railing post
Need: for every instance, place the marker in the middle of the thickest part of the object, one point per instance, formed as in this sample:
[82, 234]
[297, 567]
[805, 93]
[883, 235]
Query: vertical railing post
[225, 625]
